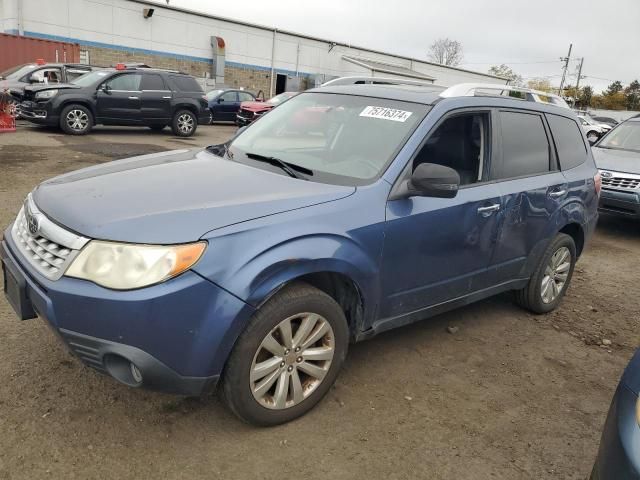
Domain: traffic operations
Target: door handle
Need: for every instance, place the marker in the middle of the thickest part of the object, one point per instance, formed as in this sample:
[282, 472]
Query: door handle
[167, 97]
[557, 193]
[134, 98]
[487, 211]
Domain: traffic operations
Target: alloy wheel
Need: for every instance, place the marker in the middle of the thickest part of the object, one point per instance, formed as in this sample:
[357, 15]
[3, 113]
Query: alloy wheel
[555, 275]
[77, 120]
[292, 361]
[185, 123]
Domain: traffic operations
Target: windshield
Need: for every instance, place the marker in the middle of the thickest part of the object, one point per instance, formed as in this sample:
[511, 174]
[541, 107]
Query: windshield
[280, 98]
[213, 94]
[341, 139]
[16, 73]
[90, 78]
[624, 137]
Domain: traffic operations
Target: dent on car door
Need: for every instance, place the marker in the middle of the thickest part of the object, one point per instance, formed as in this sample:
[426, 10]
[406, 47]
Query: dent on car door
[532, 189]
[438, 249]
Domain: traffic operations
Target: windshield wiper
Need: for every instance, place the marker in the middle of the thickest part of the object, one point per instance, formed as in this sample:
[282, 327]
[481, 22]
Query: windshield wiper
[288, 168]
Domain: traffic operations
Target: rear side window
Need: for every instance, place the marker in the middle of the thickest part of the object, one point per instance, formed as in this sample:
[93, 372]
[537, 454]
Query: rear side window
[569, 144]
[525, 147]
[185, 84]
[152, 81]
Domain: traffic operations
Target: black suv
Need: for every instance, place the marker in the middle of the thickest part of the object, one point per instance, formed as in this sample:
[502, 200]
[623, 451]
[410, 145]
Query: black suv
[131, 96]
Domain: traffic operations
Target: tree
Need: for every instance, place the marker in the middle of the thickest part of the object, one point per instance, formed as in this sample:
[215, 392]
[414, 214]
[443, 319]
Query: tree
[613, 88]
[446, 52]
[632, 95]
[505, 71]
[585, 96]
[541, 84]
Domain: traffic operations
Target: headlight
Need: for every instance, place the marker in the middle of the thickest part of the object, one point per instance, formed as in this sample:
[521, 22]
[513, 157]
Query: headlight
[638, 411]
[46, 94]
[123, 266]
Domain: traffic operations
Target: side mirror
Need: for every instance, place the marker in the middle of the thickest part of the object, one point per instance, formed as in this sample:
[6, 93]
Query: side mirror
[592, 141]
[34, 79]
[105, 88]
[221, 100]
[432, 180]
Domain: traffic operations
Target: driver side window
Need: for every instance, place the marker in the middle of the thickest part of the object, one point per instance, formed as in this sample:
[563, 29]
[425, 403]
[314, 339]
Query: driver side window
[128, 82]
[460, 142]
[229, 97]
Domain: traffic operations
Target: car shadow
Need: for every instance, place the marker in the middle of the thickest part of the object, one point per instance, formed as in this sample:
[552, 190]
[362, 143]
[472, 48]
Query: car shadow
[619, 227]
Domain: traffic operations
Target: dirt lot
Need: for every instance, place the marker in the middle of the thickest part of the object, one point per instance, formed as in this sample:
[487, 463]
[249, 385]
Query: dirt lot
[508, 396]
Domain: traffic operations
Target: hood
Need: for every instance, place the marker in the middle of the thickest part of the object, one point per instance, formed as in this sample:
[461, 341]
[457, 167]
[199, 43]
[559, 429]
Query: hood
[631, 375]
[38, 87]
[172, 197]
[256, 106]
[617, 160]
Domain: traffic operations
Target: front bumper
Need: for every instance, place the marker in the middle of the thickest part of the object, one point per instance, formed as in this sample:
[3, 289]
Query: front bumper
[243, 121]
[38, 112]
[178, 333]
[619, 453]
[618, 202]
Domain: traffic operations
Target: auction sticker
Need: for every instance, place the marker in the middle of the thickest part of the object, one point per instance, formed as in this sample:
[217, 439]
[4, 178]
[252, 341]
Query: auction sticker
[385, 113]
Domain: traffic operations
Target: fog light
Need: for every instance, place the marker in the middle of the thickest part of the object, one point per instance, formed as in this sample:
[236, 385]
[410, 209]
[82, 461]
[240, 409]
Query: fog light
[136, 374]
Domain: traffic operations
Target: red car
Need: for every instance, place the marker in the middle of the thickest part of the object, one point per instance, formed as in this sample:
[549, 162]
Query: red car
[250, 111]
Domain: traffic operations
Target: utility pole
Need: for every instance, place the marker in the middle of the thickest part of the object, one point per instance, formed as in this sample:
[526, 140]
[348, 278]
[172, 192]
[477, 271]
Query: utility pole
[578, 80]
[564, 71]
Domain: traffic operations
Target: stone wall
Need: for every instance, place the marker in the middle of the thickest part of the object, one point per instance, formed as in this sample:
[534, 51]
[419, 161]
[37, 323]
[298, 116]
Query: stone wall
[250, 79]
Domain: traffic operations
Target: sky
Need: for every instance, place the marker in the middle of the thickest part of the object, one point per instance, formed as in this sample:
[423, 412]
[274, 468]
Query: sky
[530, 37]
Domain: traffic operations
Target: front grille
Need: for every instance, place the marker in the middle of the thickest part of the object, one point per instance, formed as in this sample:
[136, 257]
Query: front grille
[88, 351]
[621, 181]
[46, 246]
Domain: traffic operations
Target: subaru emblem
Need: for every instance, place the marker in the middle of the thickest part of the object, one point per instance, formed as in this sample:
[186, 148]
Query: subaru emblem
[33, 224]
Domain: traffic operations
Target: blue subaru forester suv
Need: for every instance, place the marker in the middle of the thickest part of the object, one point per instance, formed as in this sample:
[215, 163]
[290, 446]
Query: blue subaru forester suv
[344, 212]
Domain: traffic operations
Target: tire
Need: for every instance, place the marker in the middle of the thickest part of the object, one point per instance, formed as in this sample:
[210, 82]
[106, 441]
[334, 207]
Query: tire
[298, 304]
[157, 128]
[542, 300]
[76, 120]
[184, 123]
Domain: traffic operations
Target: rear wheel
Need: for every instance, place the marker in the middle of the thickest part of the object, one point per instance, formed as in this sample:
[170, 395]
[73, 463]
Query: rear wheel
[76, 120]
[184, 123]
[550, 281]
[287, 358]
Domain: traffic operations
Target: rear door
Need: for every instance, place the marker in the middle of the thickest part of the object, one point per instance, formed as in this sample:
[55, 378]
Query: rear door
[155, 99]
[120, 103]
[532, 190]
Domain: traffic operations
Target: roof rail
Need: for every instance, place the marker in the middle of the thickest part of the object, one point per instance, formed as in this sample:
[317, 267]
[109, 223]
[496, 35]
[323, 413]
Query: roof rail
[484, 89]
[374, 81]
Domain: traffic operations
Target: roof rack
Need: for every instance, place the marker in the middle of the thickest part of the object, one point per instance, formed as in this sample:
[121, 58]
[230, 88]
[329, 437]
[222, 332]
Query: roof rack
[485, 89]
[375, 81]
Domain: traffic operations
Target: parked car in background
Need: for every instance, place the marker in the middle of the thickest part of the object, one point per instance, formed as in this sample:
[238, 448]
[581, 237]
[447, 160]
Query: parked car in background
[592, 129]
[16, 78]
[618, 157]
[254, 263]
[224, 104]
[612, 122]
[128, 96]
[619, 453]
[250, 111]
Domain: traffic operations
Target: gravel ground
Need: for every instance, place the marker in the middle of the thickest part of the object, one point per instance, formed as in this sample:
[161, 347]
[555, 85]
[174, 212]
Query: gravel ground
[509, 395]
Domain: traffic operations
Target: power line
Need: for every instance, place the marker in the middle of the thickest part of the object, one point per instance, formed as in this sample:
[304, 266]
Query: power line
[509, 63]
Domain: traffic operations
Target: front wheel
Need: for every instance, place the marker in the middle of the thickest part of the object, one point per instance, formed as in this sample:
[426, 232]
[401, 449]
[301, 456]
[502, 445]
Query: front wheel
[184, 123]
[550, 281]
[76, 120]
[287, 358]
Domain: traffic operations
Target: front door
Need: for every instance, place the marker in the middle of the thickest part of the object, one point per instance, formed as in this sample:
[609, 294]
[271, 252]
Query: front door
[439, 249]
[119, 102]
[533, 190]
[228, 106]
